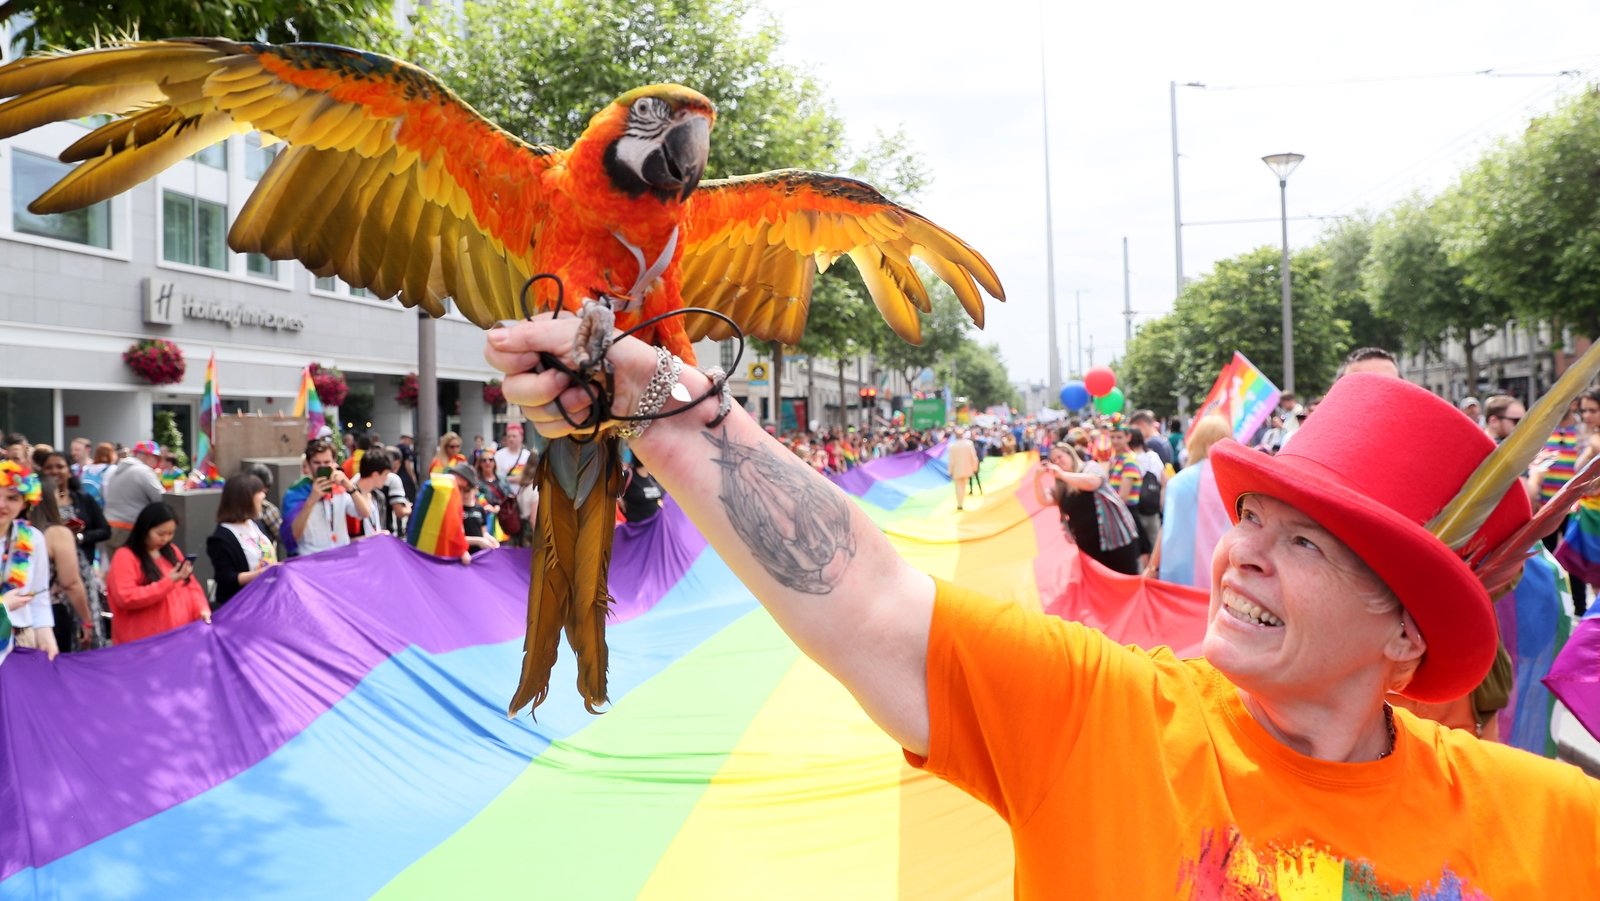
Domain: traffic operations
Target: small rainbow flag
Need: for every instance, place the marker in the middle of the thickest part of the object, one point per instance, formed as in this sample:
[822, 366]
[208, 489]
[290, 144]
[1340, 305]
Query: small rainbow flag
[436, 526]
[1241, 393]
[205, 470]
[309, 405]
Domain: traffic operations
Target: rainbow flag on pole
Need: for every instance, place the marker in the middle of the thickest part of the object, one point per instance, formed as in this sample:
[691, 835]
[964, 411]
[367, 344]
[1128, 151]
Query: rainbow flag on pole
[309, 405]
[205, 470]
[1243, 394]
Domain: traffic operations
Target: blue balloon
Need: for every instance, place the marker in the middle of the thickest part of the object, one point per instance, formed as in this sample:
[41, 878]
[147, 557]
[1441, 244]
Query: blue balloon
[1074, 396]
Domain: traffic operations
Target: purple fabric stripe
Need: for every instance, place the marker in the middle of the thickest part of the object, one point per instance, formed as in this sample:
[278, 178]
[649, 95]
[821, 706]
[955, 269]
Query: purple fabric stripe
[860, 480]
[649, 558]
[286, 649]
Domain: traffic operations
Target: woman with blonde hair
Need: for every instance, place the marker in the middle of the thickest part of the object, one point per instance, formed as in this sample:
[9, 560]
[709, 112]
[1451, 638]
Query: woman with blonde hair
[449, 453]
[1193, 518]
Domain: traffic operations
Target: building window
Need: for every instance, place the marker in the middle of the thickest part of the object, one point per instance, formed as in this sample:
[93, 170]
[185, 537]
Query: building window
[259, 264]
[31, 176]
[256, 157]
[327, 283]
[728, 348]
[194, 231]
[359, 292]
[215, 156]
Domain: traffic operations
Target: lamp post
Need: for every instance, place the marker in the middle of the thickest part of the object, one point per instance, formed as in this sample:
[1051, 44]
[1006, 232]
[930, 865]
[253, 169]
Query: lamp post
[1281, 165]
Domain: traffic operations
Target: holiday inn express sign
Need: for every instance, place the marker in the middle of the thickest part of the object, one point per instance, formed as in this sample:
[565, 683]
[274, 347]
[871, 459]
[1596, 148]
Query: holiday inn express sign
[165, 301]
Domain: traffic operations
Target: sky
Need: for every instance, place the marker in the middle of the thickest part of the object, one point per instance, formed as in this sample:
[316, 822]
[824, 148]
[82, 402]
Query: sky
[1381, 98]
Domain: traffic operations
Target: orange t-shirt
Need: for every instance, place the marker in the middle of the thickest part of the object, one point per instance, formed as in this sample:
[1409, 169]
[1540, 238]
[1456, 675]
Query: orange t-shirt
[1133, 774]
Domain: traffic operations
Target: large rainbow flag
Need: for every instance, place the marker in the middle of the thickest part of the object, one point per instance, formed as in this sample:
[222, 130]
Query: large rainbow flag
[339, 731]
[1243, 394]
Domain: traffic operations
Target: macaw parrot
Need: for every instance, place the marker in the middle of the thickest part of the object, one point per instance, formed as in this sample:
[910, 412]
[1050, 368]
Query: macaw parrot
[392, 183]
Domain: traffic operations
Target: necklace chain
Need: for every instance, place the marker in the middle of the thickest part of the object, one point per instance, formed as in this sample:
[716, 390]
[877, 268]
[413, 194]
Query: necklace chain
[1388, 721]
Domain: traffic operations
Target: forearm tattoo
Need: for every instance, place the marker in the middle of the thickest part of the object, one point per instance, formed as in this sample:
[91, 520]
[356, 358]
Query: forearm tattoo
[795, 527]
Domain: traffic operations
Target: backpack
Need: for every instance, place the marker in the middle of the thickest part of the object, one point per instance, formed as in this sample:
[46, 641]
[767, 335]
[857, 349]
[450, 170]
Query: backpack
[510, 517]
[1150, 495]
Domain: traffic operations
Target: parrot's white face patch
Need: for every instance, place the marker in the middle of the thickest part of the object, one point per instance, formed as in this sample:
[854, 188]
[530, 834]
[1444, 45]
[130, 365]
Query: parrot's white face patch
[648, 121]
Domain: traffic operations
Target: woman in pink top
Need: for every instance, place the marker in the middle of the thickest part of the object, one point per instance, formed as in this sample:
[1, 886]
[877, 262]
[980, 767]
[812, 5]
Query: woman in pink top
[152, 587]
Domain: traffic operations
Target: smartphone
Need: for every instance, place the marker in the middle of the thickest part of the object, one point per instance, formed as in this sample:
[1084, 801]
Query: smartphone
[190, 558]
[324, 472]
[76, 524]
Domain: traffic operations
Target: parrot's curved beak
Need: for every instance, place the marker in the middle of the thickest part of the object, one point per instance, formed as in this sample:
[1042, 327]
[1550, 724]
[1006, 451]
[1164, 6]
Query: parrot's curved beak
[681, 160]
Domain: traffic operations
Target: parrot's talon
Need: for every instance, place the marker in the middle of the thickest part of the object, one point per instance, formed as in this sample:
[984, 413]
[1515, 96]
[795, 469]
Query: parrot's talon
[596, 322]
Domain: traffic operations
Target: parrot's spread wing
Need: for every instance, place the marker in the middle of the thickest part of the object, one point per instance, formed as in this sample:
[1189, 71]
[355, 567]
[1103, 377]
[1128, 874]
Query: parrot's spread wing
[389, 181]
[751, 242]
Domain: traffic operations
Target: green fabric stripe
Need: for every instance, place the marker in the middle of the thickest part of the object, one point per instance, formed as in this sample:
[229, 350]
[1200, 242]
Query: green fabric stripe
[562, 830]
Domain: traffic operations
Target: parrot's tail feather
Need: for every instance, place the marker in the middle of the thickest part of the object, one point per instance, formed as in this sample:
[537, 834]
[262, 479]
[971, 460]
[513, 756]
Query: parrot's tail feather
[586, 617]
[549, 591]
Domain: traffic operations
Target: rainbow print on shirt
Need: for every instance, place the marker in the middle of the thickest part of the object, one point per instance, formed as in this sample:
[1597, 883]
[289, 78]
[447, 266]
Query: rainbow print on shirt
[1231, 868]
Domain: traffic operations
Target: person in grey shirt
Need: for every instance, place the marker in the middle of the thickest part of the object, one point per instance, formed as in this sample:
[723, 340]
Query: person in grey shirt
[129, 487]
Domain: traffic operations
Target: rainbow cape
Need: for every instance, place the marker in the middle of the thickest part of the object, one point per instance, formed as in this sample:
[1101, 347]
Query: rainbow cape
[340, 731]
[309, 405]
[436, 525]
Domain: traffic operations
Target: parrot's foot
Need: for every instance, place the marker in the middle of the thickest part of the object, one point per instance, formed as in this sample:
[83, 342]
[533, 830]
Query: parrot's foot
[597, 322]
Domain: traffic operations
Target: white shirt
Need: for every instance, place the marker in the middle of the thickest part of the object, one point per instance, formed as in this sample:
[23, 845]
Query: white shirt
[252, 540]
[326, 528]
[36, 613]
[505, 461]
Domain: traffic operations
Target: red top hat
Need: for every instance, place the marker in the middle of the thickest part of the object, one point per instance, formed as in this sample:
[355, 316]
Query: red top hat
[1348, 469]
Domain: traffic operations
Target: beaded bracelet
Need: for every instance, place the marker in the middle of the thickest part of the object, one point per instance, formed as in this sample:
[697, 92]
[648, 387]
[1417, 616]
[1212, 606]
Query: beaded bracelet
[719, 383]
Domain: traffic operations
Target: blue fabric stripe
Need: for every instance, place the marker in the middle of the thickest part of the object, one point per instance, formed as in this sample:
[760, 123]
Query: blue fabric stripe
[397, 766]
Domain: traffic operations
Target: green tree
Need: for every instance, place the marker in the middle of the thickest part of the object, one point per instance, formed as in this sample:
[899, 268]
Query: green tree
[978, 373]
[1148, 371]
[1347, 244]
[541, 70]
[1525, 222]
[73, 24]
[1416, 286]
[1238, 307]
[943, 332]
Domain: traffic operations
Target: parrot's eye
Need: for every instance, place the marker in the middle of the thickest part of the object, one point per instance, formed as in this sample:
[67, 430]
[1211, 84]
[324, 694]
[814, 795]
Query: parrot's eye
[648, 118]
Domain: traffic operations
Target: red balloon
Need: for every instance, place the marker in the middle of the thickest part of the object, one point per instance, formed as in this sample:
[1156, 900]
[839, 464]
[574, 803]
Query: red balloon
[1099, 380]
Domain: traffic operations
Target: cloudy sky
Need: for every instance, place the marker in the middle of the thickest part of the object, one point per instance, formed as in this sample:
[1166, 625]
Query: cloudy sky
[1381, 97]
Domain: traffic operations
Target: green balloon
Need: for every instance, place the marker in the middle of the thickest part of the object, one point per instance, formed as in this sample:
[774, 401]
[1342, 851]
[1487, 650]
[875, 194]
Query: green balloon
[1110, 402]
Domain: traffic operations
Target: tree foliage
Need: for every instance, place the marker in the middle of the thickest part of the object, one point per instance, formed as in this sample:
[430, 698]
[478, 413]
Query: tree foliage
[1411, 279]
[978, 373]
[541, 70]
[75, 24]
[1525, 222]
[1238, 307]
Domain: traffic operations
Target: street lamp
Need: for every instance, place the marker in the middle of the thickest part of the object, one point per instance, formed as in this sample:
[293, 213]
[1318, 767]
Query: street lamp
[1281, 165]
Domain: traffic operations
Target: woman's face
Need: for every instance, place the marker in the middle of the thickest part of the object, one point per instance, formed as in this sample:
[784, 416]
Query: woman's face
[486, 467]
[11, 506]
[161, 536]
[56, 468]
[452, 447]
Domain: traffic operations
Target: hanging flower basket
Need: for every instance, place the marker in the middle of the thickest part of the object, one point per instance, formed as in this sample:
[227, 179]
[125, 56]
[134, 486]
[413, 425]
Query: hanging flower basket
[407, 395]
[156, 360]
[494, 396]
[331, 387]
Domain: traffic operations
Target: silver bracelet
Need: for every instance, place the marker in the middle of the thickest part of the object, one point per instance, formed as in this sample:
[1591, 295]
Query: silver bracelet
[654, 396]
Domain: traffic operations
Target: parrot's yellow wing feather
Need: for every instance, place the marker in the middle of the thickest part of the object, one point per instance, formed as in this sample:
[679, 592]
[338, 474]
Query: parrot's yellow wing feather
[753, 245]
[381, 159]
